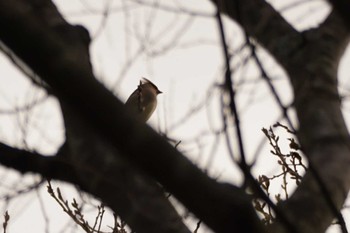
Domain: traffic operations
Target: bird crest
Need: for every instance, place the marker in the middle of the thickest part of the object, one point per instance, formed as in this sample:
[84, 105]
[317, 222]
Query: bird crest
[145, 81]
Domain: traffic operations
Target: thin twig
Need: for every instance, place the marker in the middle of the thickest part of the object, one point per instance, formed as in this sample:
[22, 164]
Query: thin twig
[269, 83]
[197, 227]
[244, 166]
[229, 86]
[6, 220]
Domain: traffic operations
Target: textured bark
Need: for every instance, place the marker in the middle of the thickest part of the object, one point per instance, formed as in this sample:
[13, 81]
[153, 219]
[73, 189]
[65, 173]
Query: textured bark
[322, 130]
[311, 60]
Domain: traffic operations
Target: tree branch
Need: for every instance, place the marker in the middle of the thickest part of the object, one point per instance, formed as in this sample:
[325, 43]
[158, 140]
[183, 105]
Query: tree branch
[67, 70]
[342, 7]
[311, 61]
[25, 161]
[322, 131]
[262, 22]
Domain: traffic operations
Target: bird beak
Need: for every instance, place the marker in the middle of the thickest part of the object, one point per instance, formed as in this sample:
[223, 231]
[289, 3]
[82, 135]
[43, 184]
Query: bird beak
[159, 92]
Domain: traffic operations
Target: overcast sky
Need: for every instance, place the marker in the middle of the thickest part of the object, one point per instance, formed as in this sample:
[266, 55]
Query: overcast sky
[176, 46]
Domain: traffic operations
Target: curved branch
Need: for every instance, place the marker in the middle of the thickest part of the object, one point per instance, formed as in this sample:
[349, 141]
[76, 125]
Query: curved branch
[119, 186]
[25, 161]
[222, 207]
[342, 7]
[322, 130]
[311, 61]
[262, 22]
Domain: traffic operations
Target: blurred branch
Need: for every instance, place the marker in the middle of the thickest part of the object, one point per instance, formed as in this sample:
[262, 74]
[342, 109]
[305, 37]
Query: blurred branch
[178, 10]
[229, 87]
[261, 21]
[25, 161]
[311, 83]
[6, 221]
[25, 107]
[242, 163]
[268, 80]
[343, 8]
[74, 211]
[68, 71]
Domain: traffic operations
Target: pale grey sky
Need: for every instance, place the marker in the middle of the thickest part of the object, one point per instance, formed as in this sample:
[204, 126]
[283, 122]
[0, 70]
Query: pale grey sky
[178, 51]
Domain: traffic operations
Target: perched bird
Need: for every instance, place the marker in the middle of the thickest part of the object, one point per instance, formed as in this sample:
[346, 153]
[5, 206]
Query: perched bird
[143, 101]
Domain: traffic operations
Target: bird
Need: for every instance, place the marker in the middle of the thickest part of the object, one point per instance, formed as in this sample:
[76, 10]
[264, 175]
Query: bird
[143, 101]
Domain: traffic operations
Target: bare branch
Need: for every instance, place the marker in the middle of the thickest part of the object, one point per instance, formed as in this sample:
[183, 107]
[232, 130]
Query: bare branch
[342, 7]
[226, 207]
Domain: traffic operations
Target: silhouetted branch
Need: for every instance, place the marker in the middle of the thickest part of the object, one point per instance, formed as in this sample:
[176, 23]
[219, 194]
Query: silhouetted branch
[221, 206]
